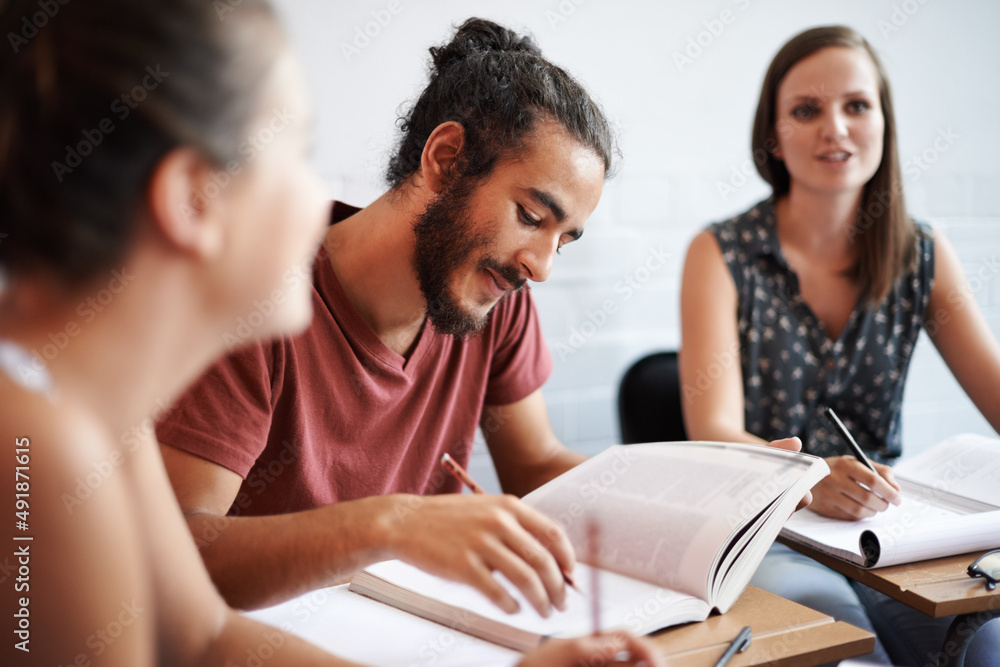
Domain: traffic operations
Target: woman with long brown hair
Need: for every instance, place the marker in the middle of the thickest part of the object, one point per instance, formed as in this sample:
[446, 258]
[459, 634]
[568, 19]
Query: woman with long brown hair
[824, 288]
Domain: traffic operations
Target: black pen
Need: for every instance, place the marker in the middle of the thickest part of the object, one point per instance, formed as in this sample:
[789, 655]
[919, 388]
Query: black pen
[859, 454]
[855, 447]
[738, 645]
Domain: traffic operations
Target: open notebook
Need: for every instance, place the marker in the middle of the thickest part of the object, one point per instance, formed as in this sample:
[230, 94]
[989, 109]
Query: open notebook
[951, 505]
[683, 528]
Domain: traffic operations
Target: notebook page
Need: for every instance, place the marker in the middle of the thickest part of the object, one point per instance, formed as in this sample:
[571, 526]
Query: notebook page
[352, 626]
[917, 529]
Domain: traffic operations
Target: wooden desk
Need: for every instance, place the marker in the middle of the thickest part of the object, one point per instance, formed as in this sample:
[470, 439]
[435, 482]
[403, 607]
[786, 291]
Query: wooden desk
[938, 588]
[784, 633]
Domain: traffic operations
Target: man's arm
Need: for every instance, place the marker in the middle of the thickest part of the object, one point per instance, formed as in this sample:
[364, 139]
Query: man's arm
[195, 627]
[524, 449]
[260, 561]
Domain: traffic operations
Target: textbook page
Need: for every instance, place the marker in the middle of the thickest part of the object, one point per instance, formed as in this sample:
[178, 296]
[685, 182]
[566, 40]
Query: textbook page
[667, 510]
[965, 465]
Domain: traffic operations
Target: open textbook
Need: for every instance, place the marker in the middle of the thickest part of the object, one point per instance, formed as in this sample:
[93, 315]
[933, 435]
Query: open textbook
[683, 526]
[951, 505]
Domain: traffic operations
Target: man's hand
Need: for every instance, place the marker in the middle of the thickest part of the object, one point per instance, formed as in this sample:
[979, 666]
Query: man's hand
[793, 445]
[599, 650]
[467, 538]
[841, 495]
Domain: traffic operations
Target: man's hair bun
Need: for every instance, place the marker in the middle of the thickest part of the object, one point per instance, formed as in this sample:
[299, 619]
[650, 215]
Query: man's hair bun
[480, 36]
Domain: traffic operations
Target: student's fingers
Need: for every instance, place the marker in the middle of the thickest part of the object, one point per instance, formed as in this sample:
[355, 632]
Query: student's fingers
[513, 560]
[548, 533]
[640, 651]
[805, 502]
[453, 536]
[532, 552]
[878, 485]
[480, 577]
[839, 496]
[887, 474]
[548, 549]
[847, 474]
[594, 650]
[865, 498]
[793, 445]
[788, 444]
[838, 506]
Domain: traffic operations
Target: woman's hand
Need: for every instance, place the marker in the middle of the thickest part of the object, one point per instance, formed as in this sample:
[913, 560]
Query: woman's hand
[841, 495]
[617, 648]
[793, 445]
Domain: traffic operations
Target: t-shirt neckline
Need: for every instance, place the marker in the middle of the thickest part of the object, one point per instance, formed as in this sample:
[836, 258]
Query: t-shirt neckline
[340, 307]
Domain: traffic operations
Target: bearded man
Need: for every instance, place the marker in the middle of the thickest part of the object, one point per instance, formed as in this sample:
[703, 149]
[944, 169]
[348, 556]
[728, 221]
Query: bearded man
[300, 461]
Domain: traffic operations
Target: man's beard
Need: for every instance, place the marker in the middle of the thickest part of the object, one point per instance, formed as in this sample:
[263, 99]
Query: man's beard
[445, 240]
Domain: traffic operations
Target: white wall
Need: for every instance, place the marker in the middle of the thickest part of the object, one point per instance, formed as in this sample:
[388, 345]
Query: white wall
[684, 131]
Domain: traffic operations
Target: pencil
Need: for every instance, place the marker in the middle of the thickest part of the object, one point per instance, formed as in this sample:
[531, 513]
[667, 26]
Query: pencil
[594, 549]
[458, 471]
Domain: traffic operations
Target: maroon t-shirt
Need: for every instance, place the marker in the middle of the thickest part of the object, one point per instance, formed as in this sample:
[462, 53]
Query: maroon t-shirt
[333, 414]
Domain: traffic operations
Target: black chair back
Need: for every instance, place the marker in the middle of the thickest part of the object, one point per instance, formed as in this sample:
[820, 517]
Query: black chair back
[649, 400]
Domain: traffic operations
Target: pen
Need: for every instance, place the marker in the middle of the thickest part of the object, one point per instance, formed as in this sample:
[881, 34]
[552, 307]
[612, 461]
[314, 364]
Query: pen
[846, 435]
[458, 471]
[738, 645]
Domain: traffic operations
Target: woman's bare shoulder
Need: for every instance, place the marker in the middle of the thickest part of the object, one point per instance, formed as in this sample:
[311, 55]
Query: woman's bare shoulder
[60, 431]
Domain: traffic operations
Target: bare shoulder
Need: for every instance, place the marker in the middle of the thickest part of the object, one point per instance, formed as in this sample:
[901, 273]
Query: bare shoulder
[64, 435]
[86, 565]
[705, 271]
[704, 247]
